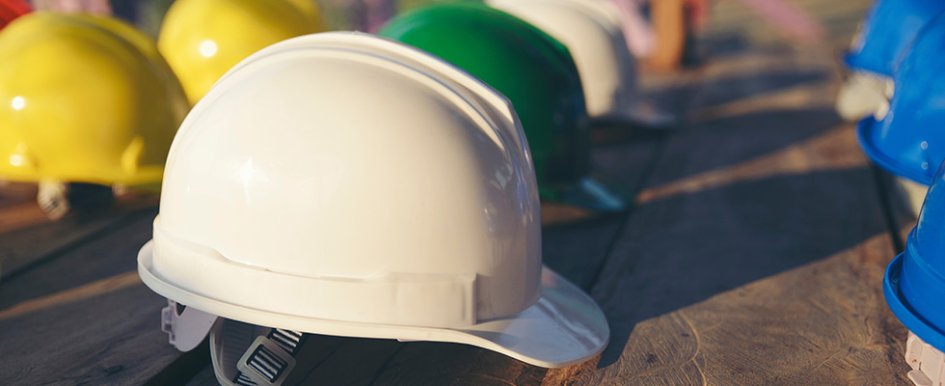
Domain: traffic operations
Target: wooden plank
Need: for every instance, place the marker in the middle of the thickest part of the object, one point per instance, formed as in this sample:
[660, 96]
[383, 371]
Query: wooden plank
[21, 215]
[18, 206]
[757, 250]
[84, 317]
[28, 238]
[425, 363]
[182, 369]
[822, 323]
[14, 193]
[830, 307]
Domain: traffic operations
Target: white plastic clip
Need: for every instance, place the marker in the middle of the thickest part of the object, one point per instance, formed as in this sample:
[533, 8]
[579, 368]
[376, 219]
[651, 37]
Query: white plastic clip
[185, 326]
[928, 363]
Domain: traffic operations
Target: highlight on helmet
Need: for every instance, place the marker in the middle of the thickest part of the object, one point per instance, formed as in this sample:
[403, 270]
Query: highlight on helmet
[203, 39]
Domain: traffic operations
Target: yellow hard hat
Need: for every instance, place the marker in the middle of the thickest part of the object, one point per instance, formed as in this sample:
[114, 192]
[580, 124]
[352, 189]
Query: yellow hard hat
[310, 11]
[84, 99]
[203, 39]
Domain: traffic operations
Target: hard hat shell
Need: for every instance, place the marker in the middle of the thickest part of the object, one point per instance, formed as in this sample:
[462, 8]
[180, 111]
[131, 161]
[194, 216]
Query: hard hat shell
[531, 68]
[910, 140]
[202, 39]
[394, 200]
[888, 31]
[592, 32]
[915, 281]
[107, 117]
[12, 9]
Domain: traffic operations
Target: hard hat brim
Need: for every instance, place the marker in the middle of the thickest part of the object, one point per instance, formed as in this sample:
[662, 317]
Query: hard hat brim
[564, 327]
[855, 61]
[864, 132]
[900, 307]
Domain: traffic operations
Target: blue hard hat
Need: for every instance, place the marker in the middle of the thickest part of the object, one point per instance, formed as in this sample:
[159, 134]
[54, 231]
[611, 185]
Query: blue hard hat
[887, 31]
[915, 281]
[910, 140]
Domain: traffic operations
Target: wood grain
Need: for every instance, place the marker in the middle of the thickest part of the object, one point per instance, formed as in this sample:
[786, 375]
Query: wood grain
[82, 317]
[28, 238]
[757, 251]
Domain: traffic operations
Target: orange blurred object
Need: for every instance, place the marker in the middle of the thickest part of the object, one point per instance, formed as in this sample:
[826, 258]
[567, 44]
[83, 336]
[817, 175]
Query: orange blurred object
[12, 9]
[669, 19]
[675, 23]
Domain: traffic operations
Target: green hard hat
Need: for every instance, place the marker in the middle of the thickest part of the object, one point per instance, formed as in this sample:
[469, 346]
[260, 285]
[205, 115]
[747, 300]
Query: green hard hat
[532, 69]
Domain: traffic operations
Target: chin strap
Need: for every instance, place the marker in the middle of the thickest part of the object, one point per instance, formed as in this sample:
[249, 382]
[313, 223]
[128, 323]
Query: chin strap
[267, 362]
[270, 359]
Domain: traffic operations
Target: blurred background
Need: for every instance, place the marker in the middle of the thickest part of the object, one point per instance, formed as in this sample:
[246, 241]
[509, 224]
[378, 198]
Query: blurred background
[147, 14]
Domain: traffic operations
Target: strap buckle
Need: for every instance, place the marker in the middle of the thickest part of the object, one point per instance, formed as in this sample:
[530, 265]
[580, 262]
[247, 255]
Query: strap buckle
[268, 361]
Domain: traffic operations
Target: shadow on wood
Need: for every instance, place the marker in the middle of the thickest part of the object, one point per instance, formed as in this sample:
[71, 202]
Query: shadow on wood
[745, 137]
[683, 249]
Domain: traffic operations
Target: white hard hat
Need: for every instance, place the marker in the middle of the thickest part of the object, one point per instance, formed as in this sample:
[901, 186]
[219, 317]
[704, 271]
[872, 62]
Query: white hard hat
[342, 184]
[591, 29]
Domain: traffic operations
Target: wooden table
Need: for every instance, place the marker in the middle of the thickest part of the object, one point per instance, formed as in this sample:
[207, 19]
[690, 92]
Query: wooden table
[753, 252]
